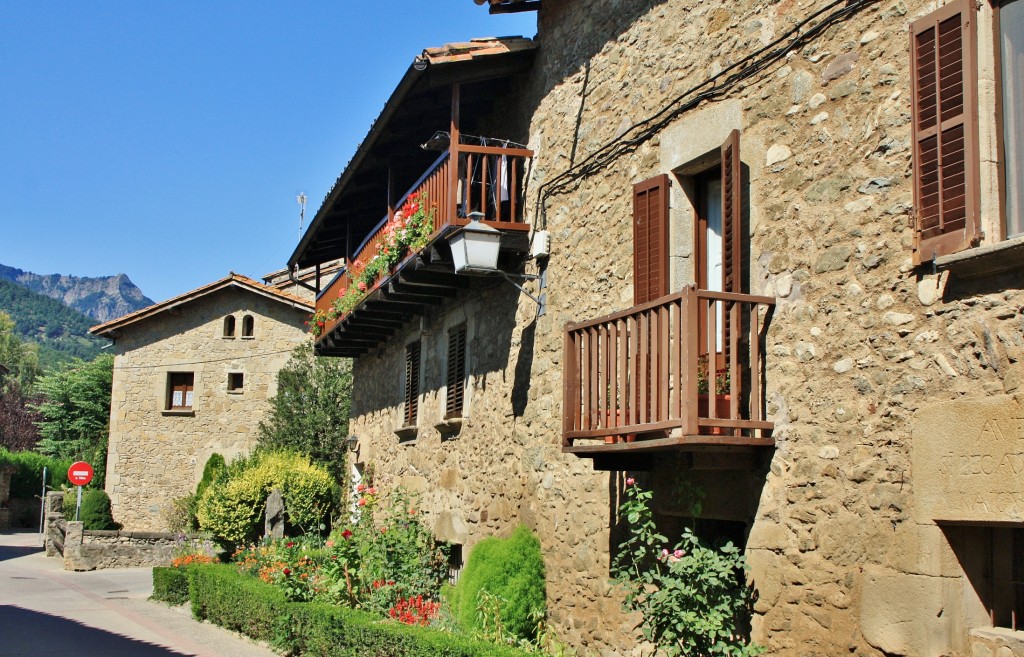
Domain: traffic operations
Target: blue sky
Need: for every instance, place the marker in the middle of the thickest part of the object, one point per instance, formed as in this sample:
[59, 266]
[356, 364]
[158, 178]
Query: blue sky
[168, 140]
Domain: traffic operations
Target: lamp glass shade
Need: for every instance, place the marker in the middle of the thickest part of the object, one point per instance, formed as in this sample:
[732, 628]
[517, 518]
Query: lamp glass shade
[475, 247]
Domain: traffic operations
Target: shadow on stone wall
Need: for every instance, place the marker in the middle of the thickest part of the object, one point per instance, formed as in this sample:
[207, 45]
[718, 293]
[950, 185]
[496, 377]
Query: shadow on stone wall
[727, 485]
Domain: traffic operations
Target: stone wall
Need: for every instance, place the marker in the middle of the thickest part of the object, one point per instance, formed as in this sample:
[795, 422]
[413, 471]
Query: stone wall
[868, 356]
[88, 549]
[156, 455]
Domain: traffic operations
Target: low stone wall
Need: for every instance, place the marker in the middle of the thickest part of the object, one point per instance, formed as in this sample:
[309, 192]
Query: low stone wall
[84, 549]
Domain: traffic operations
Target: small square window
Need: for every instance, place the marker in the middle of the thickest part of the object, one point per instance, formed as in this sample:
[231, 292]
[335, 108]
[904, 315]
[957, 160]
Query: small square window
[455, 563]
[180, 387]
[236, 381]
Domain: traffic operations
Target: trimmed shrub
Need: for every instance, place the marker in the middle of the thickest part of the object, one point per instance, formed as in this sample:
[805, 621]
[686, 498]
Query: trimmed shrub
[231, 508]
[95, 511]
[235, 601]
[506, 576]
[170, 585]
[27, 481]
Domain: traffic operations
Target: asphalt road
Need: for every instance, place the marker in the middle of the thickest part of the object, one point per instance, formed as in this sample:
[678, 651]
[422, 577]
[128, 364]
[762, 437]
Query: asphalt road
[46, 611]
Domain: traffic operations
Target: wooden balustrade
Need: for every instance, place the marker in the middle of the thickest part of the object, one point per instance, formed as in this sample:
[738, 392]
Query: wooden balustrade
[465, 179]
[687, 366]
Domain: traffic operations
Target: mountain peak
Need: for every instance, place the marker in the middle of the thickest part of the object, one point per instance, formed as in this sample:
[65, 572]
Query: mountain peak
[102, 297]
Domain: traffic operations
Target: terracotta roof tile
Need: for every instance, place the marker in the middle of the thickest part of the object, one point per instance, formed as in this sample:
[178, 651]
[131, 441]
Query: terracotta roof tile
[231, 280]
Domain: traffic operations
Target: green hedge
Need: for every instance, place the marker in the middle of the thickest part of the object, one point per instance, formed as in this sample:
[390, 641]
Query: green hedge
[27, 481]
[512, 569]
[170, 585]
[222, 595]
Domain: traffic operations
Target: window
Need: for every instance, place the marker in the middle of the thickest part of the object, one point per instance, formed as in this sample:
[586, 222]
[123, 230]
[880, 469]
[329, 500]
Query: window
[454, 563]
[247, 326]
[229, 326]
[947, 109]
[179, 391]
[236, 381]
[412, 383]
[456, 372]
[714, 184]
[993, 560]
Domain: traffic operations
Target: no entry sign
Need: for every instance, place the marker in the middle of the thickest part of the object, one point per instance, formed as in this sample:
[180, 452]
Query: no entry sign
[80, 473]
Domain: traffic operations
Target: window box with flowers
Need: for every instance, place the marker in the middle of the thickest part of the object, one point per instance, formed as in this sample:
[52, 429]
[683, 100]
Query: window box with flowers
[406, 233]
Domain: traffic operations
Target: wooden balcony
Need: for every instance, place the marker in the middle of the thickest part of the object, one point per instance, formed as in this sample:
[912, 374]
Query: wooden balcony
[464, 179]
[640, 382]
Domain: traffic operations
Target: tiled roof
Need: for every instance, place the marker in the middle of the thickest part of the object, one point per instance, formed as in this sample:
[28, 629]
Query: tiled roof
[474, 48]
[231, 280]
[480, 59]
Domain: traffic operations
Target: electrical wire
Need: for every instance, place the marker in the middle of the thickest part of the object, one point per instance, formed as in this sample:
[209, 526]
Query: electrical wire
[203, 362]
[644, 130]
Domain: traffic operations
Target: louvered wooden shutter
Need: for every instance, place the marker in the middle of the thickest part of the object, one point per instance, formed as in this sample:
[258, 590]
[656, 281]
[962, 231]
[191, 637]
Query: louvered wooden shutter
[732, 214]
[412, 382]
[456, 379]
[944, 79]
[650, 239]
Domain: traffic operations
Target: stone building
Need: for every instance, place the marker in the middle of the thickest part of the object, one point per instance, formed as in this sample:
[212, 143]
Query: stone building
[770, 189]
[192, 376]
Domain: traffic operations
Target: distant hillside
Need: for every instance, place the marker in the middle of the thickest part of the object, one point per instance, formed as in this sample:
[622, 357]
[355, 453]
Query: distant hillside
[61, 332]
[102, 298]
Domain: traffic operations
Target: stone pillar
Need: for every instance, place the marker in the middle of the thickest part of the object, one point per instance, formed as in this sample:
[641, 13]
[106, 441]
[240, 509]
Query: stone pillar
[73, 540]
[5, 495]
[54, 511]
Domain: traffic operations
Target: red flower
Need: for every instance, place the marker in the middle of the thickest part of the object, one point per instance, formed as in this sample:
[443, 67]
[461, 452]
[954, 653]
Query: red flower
[287, 572]
[290, 544]
[346, 534]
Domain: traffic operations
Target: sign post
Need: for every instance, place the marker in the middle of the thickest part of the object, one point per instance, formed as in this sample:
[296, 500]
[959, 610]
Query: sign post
[80, 473]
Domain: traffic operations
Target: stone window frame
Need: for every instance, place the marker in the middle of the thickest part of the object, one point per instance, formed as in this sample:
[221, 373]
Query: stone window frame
[689, 147]
[229, 326]
[187, 381]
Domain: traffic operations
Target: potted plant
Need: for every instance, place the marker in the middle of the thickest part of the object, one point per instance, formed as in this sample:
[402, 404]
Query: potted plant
[723, 396]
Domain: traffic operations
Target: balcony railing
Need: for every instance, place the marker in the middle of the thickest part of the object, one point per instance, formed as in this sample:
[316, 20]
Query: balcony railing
[465, 179]
[683, 370]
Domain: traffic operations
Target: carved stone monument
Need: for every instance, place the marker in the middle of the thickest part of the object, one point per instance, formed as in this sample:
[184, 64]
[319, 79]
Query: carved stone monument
[273, 526]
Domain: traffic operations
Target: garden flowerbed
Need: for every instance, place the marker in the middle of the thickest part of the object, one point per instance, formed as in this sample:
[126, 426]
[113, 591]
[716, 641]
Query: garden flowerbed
[262, 611]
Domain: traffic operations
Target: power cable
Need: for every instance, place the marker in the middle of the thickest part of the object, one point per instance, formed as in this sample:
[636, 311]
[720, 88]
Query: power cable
[644, 130]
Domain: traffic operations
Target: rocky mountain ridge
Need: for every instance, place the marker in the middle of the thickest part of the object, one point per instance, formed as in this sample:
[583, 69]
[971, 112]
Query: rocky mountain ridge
[102, 298]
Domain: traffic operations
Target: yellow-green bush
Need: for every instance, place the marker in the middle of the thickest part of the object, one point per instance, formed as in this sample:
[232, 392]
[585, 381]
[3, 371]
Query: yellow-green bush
[231, 508]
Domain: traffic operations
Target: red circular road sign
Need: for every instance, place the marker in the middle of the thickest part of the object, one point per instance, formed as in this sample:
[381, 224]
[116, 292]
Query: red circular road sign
[80, 473]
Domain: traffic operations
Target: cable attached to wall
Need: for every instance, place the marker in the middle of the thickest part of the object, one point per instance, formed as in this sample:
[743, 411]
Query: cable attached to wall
[709, 89]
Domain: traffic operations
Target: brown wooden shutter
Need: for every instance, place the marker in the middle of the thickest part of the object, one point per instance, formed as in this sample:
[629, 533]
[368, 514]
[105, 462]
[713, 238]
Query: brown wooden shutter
[412, 383]
[943, 49]
[650, 239]
[732, 214]
[456, 380]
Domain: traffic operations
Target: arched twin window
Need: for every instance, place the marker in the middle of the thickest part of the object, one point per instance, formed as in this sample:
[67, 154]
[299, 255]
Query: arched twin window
[248, 326]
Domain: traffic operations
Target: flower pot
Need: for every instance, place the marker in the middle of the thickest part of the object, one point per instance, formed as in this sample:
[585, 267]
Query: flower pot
[722, 410]
[618, 438]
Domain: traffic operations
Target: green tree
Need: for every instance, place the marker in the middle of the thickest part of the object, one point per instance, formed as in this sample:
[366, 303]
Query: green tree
[21, 359]
[19, 367]
[75, 410]
[310, 412]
